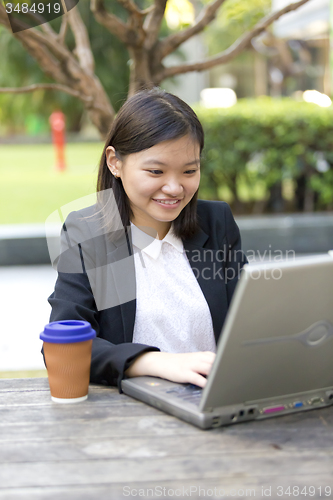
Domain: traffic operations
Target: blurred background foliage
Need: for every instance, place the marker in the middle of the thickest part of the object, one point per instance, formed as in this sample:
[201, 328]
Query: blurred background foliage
[268, 155]
[232, 21]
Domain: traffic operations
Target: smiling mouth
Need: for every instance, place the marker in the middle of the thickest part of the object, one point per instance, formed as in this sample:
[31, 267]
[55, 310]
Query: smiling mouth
[167, 202]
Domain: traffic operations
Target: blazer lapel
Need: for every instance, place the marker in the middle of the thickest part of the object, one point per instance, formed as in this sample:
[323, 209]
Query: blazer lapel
[121, 262]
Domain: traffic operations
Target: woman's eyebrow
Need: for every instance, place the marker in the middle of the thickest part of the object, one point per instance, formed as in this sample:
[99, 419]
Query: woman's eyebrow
[152, 161]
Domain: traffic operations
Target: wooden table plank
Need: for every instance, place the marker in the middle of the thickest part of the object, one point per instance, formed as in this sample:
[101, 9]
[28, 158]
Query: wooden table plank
[102, 441]
[82, 447]
[214, 466]
[247, 488]
[96, 448]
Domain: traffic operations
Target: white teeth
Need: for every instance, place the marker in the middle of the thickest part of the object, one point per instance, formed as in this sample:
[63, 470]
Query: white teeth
[168, 202]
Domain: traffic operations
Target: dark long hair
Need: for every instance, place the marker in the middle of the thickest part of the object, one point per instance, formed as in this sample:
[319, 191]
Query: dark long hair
[146, 119]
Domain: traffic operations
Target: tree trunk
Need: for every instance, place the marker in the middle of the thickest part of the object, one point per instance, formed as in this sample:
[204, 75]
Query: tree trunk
[140, 73]
[232, 184]
[100, 110]
[275, 203]
[144, 70]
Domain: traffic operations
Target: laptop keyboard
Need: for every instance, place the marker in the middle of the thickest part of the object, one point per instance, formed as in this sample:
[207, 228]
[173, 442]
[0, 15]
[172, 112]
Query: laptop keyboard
[189, 392]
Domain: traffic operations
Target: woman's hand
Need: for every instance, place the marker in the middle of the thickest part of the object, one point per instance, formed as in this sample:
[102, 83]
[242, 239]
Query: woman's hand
[184, 368]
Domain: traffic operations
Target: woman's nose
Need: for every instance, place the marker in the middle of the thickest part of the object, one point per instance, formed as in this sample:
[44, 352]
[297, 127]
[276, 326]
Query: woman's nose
[173, 188]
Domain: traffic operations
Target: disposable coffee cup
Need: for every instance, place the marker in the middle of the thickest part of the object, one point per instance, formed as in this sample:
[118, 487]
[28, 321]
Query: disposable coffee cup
[67, 350]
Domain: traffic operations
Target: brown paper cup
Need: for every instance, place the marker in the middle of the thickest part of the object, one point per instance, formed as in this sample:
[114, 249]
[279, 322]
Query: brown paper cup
[68, 369]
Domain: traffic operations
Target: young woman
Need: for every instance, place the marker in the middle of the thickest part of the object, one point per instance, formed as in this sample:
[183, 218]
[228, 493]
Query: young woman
[152, 268]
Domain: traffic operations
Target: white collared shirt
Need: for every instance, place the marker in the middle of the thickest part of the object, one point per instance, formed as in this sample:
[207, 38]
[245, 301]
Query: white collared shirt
[171, 310]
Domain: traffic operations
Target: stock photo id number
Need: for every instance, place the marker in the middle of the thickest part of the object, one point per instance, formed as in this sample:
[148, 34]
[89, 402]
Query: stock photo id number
[29, 13]
[295, 491]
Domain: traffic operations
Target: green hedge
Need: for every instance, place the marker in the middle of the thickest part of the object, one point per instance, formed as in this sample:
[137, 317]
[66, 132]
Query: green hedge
[272, 153]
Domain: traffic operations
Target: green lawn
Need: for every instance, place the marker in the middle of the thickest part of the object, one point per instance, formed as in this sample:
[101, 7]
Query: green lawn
[30, 187]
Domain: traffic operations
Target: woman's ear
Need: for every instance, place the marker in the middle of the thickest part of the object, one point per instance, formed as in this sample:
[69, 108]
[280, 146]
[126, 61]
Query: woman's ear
[113, 163]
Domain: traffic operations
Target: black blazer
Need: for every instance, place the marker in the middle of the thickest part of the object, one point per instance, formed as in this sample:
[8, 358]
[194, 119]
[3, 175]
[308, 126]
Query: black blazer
[90, 258]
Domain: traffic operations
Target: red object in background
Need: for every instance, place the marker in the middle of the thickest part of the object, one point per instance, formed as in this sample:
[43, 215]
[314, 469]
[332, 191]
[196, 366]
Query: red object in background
[57, 121]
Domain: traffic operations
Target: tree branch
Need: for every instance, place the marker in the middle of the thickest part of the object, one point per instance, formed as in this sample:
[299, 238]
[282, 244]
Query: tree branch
[53, 86]
[68, 67]
[44, 86]
[41, 21]
[54, 58]
[235, 49]
[49, 40]
[147, 11]
[63, 29]
[130, 6]
[45, 26]
[109, 21]
[47, 62]
[172, 42]
[83, 48]
[153, 23]
[3, 17]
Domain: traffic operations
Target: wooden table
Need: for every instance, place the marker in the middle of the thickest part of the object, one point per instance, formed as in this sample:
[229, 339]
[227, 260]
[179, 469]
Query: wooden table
[113, 447]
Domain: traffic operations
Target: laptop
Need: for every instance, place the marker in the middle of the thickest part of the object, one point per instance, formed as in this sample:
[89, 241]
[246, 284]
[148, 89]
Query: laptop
[274, 355]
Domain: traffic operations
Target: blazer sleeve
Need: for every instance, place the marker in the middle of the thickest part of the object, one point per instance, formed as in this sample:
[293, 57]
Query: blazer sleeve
[235, 257]
[73, 299]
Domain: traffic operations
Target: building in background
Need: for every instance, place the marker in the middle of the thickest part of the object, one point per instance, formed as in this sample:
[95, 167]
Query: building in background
[306, 35]
[189, 85]
[291, 57]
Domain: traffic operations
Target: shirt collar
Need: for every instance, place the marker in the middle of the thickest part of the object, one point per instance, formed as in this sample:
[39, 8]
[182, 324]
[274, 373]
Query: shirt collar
[152, 246]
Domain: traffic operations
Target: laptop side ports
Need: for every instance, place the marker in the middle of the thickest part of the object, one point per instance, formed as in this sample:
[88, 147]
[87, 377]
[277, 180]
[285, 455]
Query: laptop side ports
[329, 395]
[216, 421]
[316, 401]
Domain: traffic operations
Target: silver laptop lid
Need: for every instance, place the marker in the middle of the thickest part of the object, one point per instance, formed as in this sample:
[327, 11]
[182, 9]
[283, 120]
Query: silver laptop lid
[278, 336]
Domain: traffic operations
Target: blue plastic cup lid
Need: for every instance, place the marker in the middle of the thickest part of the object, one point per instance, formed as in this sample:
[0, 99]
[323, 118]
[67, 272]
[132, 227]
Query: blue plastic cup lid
[67, 332]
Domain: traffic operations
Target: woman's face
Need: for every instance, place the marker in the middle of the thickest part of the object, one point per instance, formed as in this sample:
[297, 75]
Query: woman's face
[159, 181]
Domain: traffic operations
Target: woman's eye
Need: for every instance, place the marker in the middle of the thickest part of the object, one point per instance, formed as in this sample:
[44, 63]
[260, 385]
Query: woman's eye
[156, 172]
[159, 172]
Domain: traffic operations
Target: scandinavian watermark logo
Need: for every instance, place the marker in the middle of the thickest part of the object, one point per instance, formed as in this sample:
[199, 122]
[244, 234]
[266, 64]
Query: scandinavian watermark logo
[24, 15]
[93, 241]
